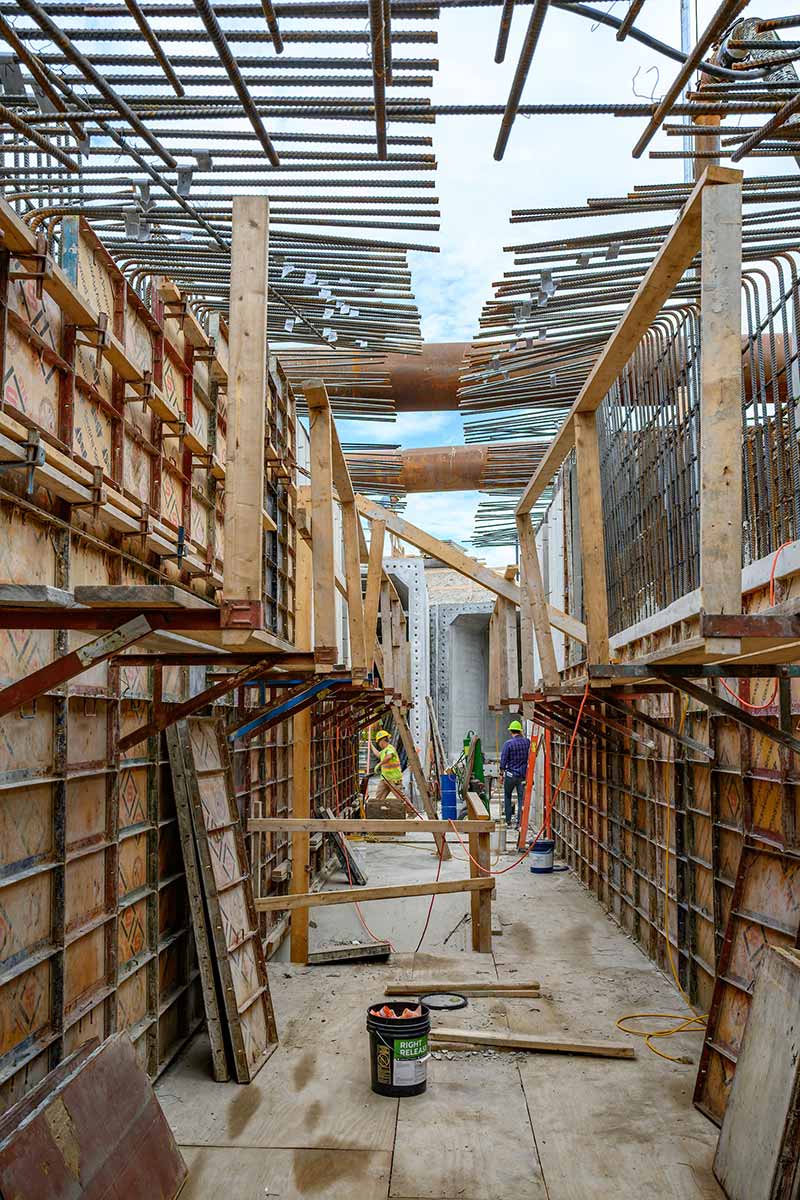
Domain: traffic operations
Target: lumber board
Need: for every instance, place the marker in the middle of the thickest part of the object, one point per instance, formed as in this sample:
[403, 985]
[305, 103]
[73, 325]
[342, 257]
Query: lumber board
[357, 825]
[419, 777]
[336, 954]
[593, 546]
[35, 595]
[466, 988]
[323, 560]
[721, 422]
[673, 259]
[349, 895]
[247, 389]
[756, 1156]
[548, 1044]
[139, 597]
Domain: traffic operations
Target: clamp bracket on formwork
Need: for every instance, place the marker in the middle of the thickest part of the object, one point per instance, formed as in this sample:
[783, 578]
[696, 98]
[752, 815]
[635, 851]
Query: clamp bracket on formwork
[95, 336]
[146, 393]
[176, 310]
[34, 457]
[41, 268]
[99, 494]
[207, 353]
[241, 614]
[180, 548]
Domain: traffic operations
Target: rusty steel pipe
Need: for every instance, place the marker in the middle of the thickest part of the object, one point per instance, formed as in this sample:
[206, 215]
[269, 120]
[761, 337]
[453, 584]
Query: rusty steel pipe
[443, 468]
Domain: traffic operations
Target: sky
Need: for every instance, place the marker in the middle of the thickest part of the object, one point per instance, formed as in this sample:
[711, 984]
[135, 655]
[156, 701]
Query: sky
[550, 161]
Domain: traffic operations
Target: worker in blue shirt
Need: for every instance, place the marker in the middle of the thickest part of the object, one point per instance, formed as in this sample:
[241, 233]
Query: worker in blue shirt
[514, 765]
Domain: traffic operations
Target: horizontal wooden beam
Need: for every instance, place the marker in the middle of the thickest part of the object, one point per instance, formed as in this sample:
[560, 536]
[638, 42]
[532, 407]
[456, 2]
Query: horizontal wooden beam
[377, 825]
[672, 261]
[361, 894]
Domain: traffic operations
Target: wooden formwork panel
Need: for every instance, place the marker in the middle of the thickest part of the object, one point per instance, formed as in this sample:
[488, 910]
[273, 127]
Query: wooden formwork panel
[765, 911]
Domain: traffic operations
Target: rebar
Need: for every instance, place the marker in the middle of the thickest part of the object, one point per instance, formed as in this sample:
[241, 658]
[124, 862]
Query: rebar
[538, 14]
[220, 42]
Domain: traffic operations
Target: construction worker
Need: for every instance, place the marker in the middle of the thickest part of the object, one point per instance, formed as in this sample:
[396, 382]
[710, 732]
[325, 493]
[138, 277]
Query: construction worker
[389, 768]
[514, 765]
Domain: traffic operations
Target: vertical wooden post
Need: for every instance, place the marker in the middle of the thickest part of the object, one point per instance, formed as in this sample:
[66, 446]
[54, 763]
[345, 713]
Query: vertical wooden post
[355, 605]
[323, 562]
[386, 637]
[243, 572]
[507, 614]
[721, 404]
[593, 546]
[535, 602]
[480, 902]
[301, 761]
[373, 592]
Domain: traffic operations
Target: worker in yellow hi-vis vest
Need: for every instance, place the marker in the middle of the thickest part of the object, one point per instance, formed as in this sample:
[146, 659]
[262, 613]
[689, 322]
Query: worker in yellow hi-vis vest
[389, 768]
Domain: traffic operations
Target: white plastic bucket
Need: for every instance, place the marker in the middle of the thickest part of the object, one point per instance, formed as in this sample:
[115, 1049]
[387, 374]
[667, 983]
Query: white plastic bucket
[541, 857]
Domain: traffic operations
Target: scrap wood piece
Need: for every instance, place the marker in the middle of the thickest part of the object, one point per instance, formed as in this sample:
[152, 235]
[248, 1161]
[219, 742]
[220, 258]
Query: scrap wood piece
[98, 1132]
[491, 988]
[197, 906]
[344, 853]
[336, 954]
[550, 1044]
[228, 888]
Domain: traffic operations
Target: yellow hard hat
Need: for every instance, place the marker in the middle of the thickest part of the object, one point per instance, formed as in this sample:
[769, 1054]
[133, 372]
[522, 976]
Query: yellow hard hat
[515, 725]
[382, 734]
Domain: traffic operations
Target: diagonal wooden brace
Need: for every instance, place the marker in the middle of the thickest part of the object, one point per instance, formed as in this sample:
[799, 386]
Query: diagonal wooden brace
[711, 700]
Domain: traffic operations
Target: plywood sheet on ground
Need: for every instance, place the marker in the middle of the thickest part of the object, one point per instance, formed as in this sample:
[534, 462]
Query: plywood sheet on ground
[288, 1174]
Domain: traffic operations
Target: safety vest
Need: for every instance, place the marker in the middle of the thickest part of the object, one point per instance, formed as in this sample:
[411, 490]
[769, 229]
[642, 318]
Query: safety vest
[390, 765]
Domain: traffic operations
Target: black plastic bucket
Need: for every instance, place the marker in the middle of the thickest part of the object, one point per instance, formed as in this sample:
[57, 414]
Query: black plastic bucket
[398, 1050]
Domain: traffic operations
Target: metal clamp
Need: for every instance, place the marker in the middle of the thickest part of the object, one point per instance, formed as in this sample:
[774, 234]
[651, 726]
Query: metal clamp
[176, 310]
[42, 264]
[99, 495]
[180, 548]
[95, 336]
[34, 457]
[146, 394]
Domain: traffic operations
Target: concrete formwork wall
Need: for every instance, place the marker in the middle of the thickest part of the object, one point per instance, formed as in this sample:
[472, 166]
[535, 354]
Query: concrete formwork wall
[411, 573]
[95, 926]
[698, 859]
[459, 680]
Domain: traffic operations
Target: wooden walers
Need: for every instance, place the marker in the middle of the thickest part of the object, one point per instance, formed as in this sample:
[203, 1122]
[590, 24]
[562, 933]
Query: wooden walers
[202, 770]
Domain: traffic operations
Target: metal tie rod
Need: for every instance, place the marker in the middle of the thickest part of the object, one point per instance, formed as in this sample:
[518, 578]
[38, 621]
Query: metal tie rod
[215, 32]
[538, 14]
[70, 51]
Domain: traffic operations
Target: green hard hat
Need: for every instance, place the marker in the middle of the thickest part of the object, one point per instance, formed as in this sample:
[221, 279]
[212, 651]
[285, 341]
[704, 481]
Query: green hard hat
[515, 725]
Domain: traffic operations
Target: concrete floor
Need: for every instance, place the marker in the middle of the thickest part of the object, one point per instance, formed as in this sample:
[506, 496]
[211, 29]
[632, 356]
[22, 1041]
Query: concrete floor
[490, 1127]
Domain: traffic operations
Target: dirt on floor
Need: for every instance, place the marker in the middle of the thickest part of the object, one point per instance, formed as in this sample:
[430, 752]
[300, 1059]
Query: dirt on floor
[491, 1125]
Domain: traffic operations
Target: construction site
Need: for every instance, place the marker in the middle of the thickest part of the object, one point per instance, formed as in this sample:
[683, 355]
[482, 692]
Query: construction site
[399, 610]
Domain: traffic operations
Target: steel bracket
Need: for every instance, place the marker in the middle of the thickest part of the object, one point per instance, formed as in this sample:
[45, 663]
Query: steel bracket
[42, 264]
[34, 457]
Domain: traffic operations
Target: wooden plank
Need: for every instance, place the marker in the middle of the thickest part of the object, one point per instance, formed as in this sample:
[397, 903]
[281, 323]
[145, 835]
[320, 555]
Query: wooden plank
[593, 547]
[756, 1157]
[197, 906]
[336, 954]
[140, 597]
[372, 596]
[419, 777]
[720, 401]
[323, 558]
[99, 1132]
[228, 890]
[243, 577]
[358, 825]
[351, 527]
[34, 595]
[522, 1041]
[466, 988]
[673, 259]
[362, 895]
[300, 879]
[386, 638]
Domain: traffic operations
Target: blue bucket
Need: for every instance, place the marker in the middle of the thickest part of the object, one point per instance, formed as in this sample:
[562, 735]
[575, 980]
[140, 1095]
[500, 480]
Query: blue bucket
[449, 797]
[541, 857]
